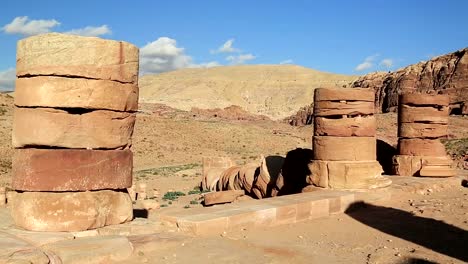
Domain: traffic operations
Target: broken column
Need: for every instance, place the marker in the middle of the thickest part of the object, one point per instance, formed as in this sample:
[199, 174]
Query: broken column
[344, 143]
[75, 106]
[422, 122]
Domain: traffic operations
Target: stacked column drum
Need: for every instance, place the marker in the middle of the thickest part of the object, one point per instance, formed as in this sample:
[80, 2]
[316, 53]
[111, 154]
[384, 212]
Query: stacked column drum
[422, 122]
[344, 143]
[75, 106]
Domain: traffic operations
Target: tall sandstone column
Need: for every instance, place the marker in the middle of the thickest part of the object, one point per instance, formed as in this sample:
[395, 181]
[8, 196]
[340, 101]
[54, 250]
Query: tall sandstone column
[344, 143]
[422, 122]
[75, 106]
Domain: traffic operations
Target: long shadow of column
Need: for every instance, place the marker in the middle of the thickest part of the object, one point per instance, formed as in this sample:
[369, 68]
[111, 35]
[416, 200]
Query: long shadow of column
[432, 234]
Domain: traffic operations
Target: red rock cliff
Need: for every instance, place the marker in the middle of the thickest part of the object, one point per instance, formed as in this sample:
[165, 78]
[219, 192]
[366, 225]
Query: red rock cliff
[444, 74]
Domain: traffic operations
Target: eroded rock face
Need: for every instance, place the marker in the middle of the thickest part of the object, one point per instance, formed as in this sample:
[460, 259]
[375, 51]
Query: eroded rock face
[304, 116]
[447, 74]
[70, 211]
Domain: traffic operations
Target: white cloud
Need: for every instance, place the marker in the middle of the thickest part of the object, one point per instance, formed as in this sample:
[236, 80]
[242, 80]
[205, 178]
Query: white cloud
[226, 48]
[91, 31]
[367, 63]
[240, 59]
[388, 63]
[209, 64]
[164, 55]
[289, 61]
[7, 79]
[24, 26]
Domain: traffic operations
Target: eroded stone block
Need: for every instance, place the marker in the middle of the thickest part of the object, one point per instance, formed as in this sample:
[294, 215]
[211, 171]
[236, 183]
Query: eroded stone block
[55, 54]
[424, 114]
[348, 94]
[422, 130]
[70, 211]
[344, 148]
[424, 99]
[364, 126]
[354, 174]
[329, 108]
[62, 92]
[71, 169]
[421, 147]
[59, 128]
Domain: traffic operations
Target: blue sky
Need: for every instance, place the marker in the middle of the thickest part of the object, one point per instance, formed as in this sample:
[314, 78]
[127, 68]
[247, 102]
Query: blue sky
[349, 37]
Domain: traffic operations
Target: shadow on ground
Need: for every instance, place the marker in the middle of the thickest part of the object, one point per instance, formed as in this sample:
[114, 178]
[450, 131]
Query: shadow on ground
[433, 234]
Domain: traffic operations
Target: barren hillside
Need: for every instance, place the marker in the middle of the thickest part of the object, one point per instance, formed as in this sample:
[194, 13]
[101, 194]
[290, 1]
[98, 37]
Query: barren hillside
[276, 91]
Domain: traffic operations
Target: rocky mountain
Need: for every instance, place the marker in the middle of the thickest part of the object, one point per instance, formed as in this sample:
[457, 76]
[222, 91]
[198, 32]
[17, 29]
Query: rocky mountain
[443, 74]
[276, 91]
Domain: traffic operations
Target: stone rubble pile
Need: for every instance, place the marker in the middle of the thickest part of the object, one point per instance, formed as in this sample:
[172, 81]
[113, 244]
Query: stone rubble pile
[75, 107]
[422, 122]
[344, 143]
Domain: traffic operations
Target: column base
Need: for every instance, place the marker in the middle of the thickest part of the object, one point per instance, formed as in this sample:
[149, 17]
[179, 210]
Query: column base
[70, 211]
[349, 175]
[423, 166]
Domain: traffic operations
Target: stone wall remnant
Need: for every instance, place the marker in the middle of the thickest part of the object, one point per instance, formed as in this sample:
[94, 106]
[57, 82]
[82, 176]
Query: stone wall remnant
[422, 122]
[344, 143]
[75, 105]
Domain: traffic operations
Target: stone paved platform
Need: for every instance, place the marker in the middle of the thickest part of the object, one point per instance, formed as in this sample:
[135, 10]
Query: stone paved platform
[275, 211]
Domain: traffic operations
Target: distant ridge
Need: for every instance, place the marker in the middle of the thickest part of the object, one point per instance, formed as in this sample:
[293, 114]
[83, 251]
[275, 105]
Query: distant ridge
[276, 91]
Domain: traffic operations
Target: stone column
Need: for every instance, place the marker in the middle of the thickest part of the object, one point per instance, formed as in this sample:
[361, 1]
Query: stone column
[344, 143]
[75, 106]
[422, 122]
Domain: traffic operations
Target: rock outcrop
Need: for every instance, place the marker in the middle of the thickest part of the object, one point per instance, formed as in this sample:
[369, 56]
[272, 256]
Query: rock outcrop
[303, 117]
[446, 74]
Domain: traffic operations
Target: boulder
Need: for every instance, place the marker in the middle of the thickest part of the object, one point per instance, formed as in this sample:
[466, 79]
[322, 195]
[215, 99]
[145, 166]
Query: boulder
[70, 211]
[62, 92]
[55, 54]
[98, 129]
[71, 169]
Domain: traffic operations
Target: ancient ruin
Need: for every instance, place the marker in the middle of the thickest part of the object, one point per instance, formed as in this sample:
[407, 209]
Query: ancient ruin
[422, 122]
[75, 107]
[344, 143]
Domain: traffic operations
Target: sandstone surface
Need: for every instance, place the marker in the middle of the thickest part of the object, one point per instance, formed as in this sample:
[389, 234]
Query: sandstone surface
[61, 92]
[71, 169]
[70, 211]
[344, 148]
[360, 126]
[99, 129]
[55, 54]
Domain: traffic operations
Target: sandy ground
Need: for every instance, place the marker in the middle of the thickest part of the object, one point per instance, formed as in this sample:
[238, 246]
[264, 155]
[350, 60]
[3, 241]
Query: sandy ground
[422, 227]
[411, 228]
